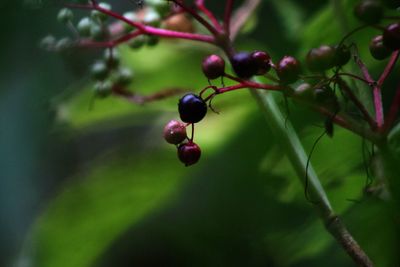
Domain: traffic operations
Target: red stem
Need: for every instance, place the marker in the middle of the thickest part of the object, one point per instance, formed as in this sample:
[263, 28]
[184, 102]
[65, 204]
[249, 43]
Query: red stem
[389, 67]
[228, 15]
[201, 6]
[197, 17]
[148, 29]
[109, 44]
[394, 109]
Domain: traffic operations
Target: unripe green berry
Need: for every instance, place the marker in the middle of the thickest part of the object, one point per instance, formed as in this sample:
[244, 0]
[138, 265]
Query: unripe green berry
[65, 15]
[132, 17]
[161, 6]
[99, 16]
[48, 42]
[103, 89]
[63, 44]
[111, 57]
[152, 18]
[98, 32]
[152, 40]
[99, 70]
[123, 76]
[84, 27]
[137, 42]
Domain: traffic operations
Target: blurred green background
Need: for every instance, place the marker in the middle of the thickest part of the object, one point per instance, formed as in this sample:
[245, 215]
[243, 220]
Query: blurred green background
[98, 186]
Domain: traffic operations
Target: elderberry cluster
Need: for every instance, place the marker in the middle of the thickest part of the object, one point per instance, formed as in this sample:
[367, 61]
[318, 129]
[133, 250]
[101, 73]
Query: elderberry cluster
[192, 109]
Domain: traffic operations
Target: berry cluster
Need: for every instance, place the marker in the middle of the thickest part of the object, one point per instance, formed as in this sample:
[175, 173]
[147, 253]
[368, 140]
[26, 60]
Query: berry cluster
[192, 109]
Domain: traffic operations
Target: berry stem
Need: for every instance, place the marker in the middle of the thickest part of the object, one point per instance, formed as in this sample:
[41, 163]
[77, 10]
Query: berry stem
[197, 17]
[389, 67]
[147, 29]
[201, 6]
[394, 109]
[109, 44]
[228, 15]
[343, 85]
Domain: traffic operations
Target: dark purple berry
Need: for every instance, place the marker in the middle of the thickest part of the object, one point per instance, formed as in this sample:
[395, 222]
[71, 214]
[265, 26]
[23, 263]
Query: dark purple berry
[192, 108]
[377, 49]
[321, 58]
[189, 153]
[288, 69]
[342, 55]
[391, 36]
[369, 11]
[244, 65]
[263, 61]
[213, 67]
[175, 132]
[327, 98]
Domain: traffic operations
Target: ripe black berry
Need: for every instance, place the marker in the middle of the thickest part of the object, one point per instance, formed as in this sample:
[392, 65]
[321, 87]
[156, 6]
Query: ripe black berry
[342, 55]
[288, 69]
[175, 132]
[244, 65]
[369, 11]
[263, 61]
[213, 67]
[192, 108]
[377, 49]
[391, 36]
[189, 153]
[321, 58]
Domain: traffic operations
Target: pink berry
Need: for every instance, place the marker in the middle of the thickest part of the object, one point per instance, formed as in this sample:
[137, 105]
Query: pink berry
[175, 132]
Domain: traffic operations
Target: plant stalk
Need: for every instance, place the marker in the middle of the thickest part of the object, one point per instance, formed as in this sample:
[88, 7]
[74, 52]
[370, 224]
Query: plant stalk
[291, 143]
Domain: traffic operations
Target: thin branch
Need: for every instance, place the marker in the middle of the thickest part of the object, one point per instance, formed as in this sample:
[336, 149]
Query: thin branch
[202, 7]
[389, 67]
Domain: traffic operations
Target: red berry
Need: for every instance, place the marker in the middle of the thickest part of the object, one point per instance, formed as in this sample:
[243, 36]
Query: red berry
[321, 58]
[263, 61]
[391, 36]
[175, 132]
[377, 49]
[192, 108]
[213, 67]
[369, 11]
[189, 153]
[244, 65]
[288, 69]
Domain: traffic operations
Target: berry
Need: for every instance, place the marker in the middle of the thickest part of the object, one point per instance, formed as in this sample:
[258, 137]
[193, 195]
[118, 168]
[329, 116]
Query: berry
[327, 98]
[369, 11]
[48, 42]
[99, 16]
[65, 15]
[391, 36]
[179, 22]
[192, 108]
[98, 32]
[99, 70]
[152, 18]
[244, 65]
[342, 55]
[377, 49]
[123, 76]
[161, 6]
[189, 153]
[137, 42]
[321, 58]
[288, 69]
[263, 61]
[132, 17]
[111, 56]
[175, 132]
[84, 27]
[213, 67]
[152, 40]
[103, 89]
